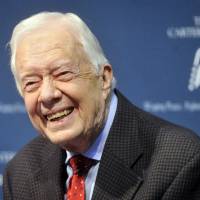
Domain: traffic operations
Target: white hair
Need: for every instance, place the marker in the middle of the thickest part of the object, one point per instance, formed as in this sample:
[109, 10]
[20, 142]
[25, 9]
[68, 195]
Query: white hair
[90, 43]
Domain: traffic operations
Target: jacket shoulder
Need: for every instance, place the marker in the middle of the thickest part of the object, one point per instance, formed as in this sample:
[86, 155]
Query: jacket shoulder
[31, 157]
[158, 135]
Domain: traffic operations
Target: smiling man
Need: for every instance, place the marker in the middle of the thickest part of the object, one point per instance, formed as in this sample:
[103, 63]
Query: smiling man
[55, 74]
[93, 143]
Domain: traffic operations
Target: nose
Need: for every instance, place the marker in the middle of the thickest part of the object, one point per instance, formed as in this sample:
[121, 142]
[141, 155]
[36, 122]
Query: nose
[49, 93]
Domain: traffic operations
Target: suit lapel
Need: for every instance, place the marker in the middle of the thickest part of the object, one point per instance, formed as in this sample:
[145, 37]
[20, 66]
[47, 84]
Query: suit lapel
[49, 180]
[116, 177]
[115, 180]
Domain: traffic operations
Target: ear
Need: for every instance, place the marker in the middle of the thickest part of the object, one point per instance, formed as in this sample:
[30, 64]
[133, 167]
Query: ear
[107, 77]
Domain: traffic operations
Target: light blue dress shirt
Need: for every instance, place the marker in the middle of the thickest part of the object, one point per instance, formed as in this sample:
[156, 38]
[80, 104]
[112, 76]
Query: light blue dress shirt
[95, 151]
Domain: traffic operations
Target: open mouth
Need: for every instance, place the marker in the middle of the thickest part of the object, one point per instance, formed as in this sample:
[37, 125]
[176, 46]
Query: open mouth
[59, 115]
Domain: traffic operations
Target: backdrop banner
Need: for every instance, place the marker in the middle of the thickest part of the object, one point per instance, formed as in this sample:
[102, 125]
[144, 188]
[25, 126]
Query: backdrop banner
[153, 46]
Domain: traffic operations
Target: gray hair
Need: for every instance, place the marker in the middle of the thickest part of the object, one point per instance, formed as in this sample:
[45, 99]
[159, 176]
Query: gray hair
[90, 43]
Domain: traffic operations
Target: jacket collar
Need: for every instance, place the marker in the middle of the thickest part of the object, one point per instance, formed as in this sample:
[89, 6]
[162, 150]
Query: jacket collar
[116, 177]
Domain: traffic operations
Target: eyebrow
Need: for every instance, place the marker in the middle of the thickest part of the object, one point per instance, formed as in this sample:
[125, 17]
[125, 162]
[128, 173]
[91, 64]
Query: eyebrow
[28, 76]
[55, 65]
[60, 63]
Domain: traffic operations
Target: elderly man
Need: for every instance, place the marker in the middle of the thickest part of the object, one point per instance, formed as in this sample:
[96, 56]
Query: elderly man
[94, 143]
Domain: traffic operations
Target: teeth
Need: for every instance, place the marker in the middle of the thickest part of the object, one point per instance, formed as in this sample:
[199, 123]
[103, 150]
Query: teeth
[59, 114]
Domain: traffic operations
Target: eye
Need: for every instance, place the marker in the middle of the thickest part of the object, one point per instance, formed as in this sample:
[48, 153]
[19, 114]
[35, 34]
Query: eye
[65, 75]
[30, 83]
[30, 86]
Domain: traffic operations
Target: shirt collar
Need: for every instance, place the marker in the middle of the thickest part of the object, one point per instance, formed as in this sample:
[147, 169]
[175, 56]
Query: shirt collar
[96, 149]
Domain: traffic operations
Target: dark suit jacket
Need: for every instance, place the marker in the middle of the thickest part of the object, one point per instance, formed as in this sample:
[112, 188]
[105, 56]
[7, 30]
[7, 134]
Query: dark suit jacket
[145, 158]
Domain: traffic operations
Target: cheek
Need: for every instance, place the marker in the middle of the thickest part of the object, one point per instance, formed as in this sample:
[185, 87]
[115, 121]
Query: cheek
[31, 107]
[30, 104]
[92, 109]
[86, 95]
[77, 91]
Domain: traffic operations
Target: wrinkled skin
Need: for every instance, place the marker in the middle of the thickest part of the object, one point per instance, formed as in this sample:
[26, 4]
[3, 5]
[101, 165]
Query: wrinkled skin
[43, 60]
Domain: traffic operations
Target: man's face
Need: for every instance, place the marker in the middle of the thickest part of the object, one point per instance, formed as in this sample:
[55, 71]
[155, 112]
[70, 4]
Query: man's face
[64, 97]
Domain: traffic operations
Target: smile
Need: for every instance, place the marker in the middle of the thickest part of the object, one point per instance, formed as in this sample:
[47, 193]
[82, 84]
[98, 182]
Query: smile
[59, 115]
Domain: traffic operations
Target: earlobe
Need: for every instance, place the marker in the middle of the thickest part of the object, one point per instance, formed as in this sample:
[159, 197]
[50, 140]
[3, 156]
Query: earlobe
[107, 77]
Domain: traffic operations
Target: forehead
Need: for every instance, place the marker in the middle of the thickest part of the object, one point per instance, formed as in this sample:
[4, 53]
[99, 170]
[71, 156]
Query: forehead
[43, 46]
[45, 38]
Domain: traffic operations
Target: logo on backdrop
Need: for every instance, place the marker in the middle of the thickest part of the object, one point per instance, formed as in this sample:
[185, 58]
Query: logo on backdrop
[12, 108]
[186, 105]
[183, 32]
[194, 81]
[1, 179]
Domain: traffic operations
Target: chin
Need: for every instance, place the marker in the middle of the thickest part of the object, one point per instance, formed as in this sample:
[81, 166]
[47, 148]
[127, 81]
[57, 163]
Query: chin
[63, 137]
